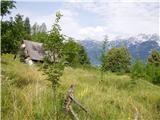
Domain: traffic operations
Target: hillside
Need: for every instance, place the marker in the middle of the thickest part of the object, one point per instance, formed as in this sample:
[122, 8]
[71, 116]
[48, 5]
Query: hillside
[26, 94]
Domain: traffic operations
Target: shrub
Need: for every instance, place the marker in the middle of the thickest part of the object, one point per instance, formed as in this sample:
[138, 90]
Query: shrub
[153, 67]
[117, 60]
[154, 58]
[149, 71]
[138, 69]
[153, 73]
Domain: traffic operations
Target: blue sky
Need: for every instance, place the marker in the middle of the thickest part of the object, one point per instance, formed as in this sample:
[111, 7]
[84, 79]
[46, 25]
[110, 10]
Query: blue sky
[94, 19]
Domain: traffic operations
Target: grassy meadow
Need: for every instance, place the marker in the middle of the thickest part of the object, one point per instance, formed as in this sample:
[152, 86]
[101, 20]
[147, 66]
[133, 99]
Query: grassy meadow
[27, 95]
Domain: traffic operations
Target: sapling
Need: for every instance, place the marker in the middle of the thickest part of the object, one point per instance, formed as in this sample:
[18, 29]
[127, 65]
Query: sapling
[53, 63]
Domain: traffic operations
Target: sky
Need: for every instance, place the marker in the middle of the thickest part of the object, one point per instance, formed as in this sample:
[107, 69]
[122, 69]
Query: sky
[93, 20]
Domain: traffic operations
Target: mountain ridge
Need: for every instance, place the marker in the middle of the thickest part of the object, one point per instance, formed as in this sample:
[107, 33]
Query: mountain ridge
[139, 46]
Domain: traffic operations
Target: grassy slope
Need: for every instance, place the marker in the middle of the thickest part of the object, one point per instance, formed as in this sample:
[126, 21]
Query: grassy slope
[27, 95]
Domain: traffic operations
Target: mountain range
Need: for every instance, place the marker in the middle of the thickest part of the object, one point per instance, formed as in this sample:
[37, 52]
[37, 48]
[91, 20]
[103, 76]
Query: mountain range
[139, 46]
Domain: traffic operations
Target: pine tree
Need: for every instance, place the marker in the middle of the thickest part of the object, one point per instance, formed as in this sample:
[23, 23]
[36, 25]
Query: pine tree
[43, 28]
[104, 48]
[27, 26]
[35, 29]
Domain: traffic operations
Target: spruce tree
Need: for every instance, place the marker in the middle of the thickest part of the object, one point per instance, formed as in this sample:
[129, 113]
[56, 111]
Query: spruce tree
[27, 26]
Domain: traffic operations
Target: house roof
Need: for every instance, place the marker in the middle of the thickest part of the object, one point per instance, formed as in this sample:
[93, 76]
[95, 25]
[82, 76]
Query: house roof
[34, 49]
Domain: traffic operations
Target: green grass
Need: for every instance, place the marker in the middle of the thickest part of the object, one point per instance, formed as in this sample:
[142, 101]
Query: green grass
[26, 95]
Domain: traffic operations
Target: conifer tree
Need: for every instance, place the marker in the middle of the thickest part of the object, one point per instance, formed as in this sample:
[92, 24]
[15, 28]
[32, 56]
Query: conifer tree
[27, 26]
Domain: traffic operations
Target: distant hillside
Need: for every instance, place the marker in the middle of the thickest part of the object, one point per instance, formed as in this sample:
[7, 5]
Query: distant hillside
[139, 46]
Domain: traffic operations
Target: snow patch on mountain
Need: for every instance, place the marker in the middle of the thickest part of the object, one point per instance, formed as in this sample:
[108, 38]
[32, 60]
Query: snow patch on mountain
[140, 38]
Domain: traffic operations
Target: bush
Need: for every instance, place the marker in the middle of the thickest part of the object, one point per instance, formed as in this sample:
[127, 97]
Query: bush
[154, 58]
[153, 67]
[138, 69]
[150, 72]
[153, 73]
[117, 60]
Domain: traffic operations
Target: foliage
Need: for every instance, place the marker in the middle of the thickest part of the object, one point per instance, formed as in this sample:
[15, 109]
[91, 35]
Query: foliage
[53, 64]
[83, 57]
[75, 53]
[102, 58]
[138, 69]
[117, 60]
[71, 51]
[6, 6]
[153, 73]
[27, 26]
[39, 33]
[104, 48]
[154, 58]
[153, 67]
[39, 37]
[13, 32]
[149, 71]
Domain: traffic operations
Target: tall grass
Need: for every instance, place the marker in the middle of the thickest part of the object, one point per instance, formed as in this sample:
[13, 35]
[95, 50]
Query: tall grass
[26, 95]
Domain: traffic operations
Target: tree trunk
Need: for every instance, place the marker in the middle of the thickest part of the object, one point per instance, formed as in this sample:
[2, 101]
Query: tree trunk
[54, 99]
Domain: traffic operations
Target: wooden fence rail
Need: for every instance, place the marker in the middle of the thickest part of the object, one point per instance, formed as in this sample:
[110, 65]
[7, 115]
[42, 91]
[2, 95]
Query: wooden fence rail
[68, 102]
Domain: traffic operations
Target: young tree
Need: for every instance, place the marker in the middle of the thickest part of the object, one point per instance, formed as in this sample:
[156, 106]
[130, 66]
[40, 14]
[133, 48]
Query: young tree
[53, 64]
[27, 26]
[104, 47]
[83, 56]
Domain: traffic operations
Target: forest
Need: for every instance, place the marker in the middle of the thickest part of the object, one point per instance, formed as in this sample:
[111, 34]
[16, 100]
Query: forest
[65, 84]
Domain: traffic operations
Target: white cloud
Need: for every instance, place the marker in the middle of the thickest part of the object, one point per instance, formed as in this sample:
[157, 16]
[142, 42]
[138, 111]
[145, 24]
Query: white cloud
[84, 1]
[122, 18]
[127, 17]
[133, 19]
[118, 18]
[96, 33]
[69, 25]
